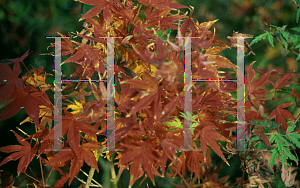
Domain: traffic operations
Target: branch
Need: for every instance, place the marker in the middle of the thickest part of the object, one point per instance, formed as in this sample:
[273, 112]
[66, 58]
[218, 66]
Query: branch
[92, 185]
[295, 2]
[297, 118]
[90, 177]
[186, 183]
[113, 173]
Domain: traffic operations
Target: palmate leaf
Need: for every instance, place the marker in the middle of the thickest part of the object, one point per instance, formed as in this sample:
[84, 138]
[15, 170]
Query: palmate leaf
[77, 161]
[258, 38]
[294, 137]
[274, 156]
[11, 79]
[31, 99]
[281, 114]
[178, 124]
[291, 128]
[270, 38]
[209, 136]
[24, 151]
[72, 126]
[296, 29]
[283, 143]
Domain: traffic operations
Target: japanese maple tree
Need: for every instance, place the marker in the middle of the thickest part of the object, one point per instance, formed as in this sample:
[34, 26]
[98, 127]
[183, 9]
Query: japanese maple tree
[149, 100]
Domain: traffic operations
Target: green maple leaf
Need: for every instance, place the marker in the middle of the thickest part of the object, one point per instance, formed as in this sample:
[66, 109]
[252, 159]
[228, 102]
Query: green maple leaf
[177, 124]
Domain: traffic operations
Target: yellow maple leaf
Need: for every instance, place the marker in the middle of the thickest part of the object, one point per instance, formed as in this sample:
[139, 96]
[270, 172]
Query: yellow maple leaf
[77, 107]
[44, 111]
[38, 81]
[140, 68]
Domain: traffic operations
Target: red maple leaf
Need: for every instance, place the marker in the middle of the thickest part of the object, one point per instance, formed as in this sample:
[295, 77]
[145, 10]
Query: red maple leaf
[147, 96]
[102, 5]
[77, 162]
[208, 136]
[262, 136]
[281, 114]
[31, 98]
[162, 4]
[73, 126]
[141, 155]
[11, 79]
[192, 160]
[253, 87]
[18, 60]
[25, 152]
[284, 81]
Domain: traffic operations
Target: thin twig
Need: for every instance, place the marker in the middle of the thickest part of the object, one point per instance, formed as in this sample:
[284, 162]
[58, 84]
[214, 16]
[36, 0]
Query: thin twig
[297, 118]
[282, 97]
[42, 172]
[92, 179]
[90, 176]
[284, 46]
[92, 185]
[271, 104]
[186, 183]
[137, 13]
[49, 175]
[32, 178]
[249, 98]
[24, 133]
[33, 173]
[295, 2]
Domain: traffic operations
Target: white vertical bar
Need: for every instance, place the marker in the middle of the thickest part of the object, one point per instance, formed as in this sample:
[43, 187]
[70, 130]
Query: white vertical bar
[110, 131]
[57, 96]
[240, 95]
[188, 95]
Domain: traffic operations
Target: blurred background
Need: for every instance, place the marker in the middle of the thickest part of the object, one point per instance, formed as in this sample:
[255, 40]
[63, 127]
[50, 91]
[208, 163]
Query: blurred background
[25, 24]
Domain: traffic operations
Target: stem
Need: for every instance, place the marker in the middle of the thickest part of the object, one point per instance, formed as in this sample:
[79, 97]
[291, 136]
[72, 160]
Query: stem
[297, 118]
[295, 2]
[90, 177]
[25, 66]
[43, 181]
[92, 185]
[249, 98]
[99, 185]
[138, 12]
[32, 178]
[49, 175]
[274, 94]
[113, 174]
[271, 104]
[282, 97]
[286, 49]
[186, 183]
[33, 173]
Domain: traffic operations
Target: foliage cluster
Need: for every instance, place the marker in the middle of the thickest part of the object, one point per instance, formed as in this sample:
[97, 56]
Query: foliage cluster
[149, 94]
